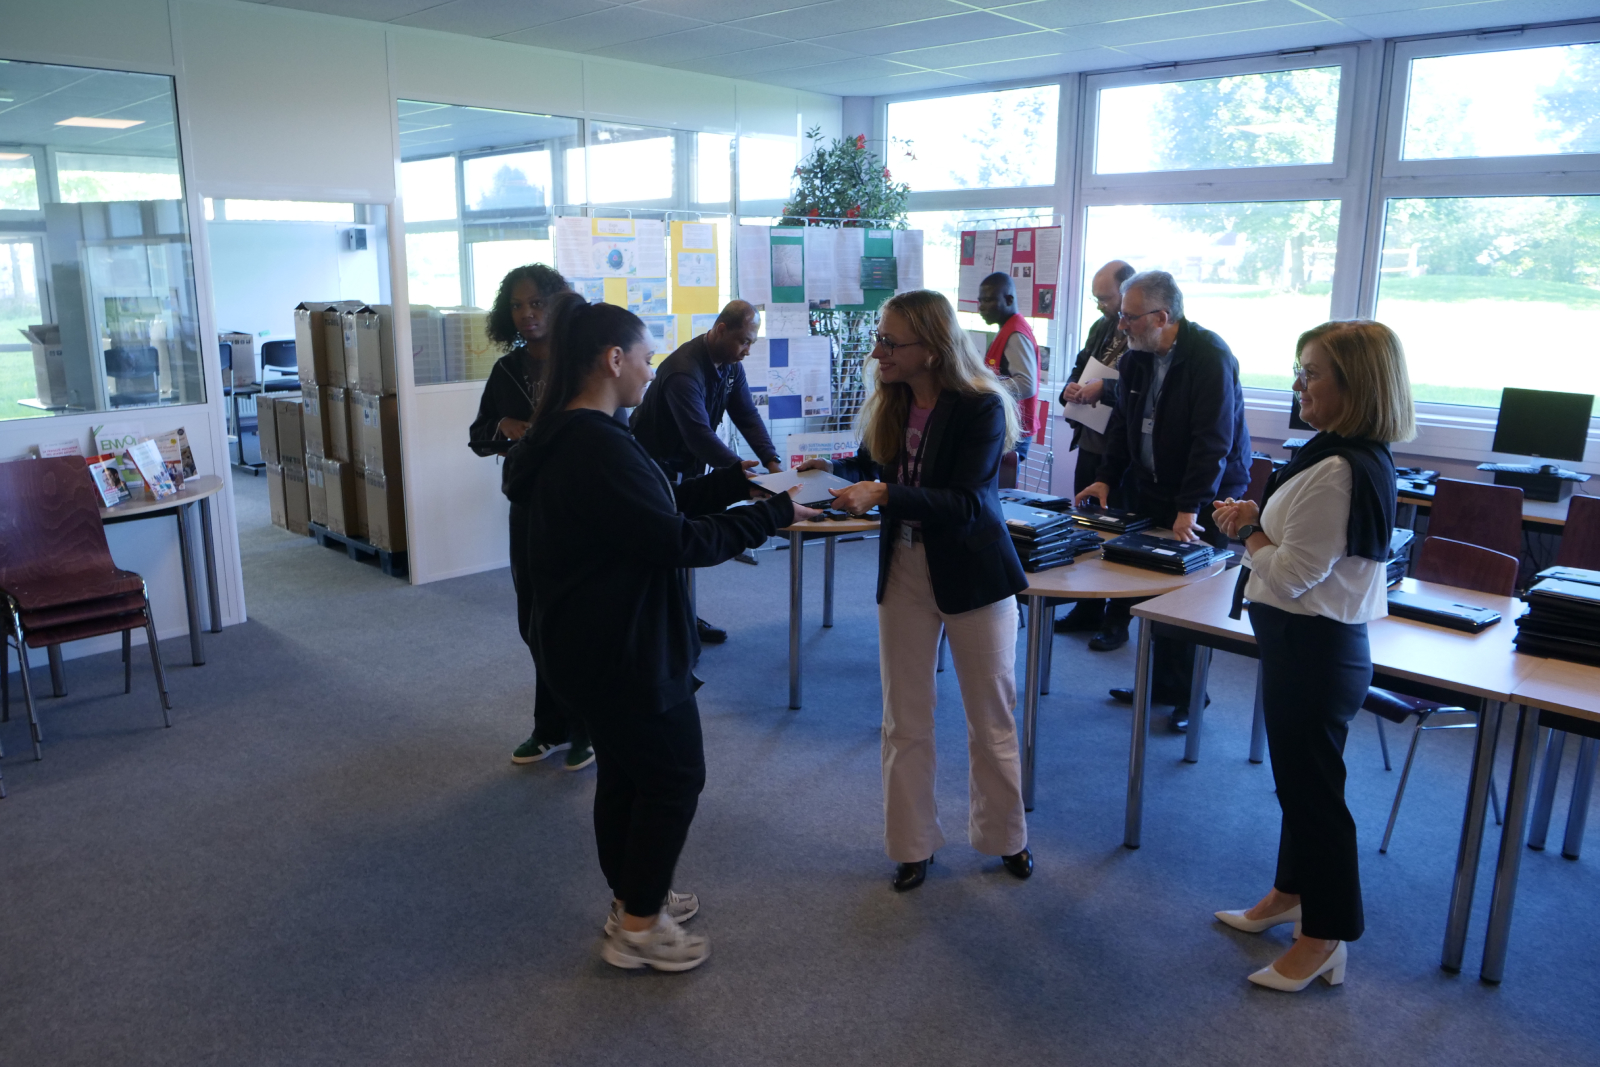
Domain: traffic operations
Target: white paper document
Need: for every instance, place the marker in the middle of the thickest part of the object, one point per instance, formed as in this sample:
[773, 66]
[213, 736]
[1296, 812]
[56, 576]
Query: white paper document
[572, 247]
[697, 269]
[788, 320]
[755, 264]
[821, 278]
[908, 259]
[651, 238]
[849, 245]
[699, 235]
[1092, 416]
[797, 378]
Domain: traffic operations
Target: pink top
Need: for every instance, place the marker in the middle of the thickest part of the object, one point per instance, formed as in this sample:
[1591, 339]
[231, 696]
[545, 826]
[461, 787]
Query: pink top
[916, 423]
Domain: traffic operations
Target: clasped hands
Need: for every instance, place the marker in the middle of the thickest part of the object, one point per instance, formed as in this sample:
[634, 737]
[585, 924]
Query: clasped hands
[1230, 514]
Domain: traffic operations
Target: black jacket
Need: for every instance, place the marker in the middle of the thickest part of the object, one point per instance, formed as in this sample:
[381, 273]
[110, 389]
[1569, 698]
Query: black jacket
[1100, 335]
[677, 422]
[612, 622]
[508, 393]
[1201, 444]
[971, 561]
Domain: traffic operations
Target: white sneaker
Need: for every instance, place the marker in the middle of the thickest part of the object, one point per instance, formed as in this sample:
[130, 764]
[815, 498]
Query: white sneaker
[680, 907]
[665, 947]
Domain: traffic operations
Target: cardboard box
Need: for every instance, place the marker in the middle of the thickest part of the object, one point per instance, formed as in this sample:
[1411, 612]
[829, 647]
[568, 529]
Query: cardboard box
[311, 342]
[49, 364]
[369, 349]
[267, 430]
[341, 483]
[296, 495]
[358, 494]
[386, 511]
[428, 363]
[380, 434]
[313, 420]
[333, 333]
[316, 489]
[289, 420]
[242, 363]
[275, 496]
[336, 424]
[467, 344]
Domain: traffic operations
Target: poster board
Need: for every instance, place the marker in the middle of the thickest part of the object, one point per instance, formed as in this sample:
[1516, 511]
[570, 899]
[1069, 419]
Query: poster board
[694, 264]
[815, 268]
[1031, 255]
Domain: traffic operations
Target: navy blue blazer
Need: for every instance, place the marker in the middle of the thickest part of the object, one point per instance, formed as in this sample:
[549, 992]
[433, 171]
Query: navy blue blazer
[971, 561]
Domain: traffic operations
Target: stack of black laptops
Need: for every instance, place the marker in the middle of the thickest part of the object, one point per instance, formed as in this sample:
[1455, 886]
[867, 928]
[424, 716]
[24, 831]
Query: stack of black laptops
[1161, 553]
[1563, 617]
[1399, 560]
[1045, 539]
[1109, 520]
[1037, 500]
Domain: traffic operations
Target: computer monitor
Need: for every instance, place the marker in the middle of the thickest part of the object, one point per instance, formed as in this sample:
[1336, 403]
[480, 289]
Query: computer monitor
[1542, 424]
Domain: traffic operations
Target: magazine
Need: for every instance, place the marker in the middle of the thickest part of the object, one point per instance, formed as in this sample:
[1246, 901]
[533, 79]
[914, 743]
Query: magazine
[108, 480]
[176, 455]
[146, 456]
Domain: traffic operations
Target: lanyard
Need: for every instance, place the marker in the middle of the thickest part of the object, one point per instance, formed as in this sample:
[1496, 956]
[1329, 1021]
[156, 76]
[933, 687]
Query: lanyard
[911, 468]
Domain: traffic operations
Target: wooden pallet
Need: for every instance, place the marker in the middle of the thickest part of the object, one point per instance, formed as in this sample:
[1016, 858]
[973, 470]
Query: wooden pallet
[394, 564]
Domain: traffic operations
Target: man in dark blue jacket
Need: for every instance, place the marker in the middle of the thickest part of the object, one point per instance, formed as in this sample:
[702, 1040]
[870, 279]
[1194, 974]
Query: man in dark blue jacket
[694, 387]
[1177, 440]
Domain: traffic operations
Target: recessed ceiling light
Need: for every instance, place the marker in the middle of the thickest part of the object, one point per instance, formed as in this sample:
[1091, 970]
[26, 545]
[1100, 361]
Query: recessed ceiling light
[8, 156]
[101, 124]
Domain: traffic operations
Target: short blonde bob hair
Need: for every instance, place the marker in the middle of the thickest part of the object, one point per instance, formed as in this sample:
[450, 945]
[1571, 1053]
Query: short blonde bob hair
[956, 364]
[1370, 366]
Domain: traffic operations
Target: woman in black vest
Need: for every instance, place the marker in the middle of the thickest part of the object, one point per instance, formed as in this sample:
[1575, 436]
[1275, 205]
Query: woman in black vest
[519, 324]
[934, 430]
[1315, 575]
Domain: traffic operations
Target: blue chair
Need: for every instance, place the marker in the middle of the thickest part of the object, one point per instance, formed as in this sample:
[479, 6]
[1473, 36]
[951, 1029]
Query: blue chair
[280, 356]
[135, 367]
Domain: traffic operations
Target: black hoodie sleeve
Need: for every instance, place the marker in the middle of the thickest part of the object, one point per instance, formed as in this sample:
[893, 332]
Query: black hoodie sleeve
[502, 398]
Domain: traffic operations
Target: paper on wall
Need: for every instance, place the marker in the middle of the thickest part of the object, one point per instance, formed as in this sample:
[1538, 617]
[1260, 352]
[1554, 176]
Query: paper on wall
[647, 296]
[60, 448]
[651, 247]
[591, 289]
[663, 334]
[788, 320]
[908, 253]
[700, 235]
[1046, 271]
[699, 324]
[849, 244]
[1092, 416]
[572, 246]
[799, 447]
[798, 377]
[755, 264]
[821, 276]
[697, 269]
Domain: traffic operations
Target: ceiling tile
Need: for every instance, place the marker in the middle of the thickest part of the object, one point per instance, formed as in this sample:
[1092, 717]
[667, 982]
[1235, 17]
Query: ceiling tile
[822, 73]
[774, 58]
[687, 46]
[943, 57]
[1044, 66]
[370, 10]
[1476, 16]
[1265, 14]
[722, 11]
[905, 83]
[1307, 35]
[615, 25]
[1056, 14]
[952, 29]
[843, 16]
[491, 18]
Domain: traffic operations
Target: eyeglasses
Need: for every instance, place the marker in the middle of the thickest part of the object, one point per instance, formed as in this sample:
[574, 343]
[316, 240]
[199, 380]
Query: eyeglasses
[881, 341]
[1125, 318]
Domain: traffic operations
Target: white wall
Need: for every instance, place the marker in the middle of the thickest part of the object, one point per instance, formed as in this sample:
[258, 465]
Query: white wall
[261, 270]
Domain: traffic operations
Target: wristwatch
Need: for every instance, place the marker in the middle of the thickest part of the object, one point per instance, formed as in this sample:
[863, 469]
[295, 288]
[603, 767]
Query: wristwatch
[1246, 530]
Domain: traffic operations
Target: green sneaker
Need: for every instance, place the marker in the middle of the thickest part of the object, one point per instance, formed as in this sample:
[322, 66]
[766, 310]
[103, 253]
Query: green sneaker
[579, 757]
[533, 750]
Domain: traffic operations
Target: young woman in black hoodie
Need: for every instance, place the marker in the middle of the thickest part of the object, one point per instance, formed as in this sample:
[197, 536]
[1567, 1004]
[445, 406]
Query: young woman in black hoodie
[519, 322]
[613, 626]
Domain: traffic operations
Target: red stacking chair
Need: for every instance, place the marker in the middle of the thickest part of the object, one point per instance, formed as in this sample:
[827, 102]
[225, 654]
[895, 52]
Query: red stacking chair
[57, 580]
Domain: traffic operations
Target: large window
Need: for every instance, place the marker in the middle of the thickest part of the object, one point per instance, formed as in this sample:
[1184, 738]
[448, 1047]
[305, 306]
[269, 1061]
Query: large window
[1524, 102]
[97, 294]
[631, 164]
[995, 140]
[1272, 119]
[766, 167]
[1475, 286]
[1259, 274]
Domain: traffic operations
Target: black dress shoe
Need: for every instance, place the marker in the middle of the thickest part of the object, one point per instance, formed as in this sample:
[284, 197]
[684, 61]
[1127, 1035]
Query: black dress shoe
[1086, 616]
[1179, 723]
[1122, 696]
[1020, 865]
[710, 635]
[910, 875]
[1111, 638]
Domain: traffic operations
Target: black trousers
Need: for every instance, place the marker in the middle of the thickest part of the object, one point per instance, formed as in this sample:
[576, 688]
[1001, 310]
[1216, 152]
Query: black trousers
[651, 769]
[1172, 661]
[553, 724]
[1315, 673]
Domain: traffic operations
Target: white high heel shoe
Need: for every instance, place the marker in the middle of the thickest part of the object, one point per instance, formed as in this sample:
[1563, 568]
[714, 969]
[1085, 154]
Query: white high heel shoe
[1237, 920]
[1331, 971]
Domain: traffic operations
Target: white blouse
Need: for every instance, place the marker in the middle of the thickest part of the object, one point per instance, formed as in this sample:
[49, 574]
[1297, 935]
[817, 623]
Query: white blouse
[1305, 570]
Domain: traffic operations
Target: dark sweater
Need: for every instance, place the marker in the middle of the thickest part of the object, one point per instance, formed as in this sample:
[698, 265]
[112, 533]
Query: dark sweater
[677, 422]
[1201, 443]
[612, 623]
[509, 393]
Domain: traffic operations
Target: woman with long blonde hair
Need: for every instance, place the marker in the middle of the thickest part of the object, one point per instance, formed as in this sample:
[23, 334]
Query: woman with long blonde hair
[932, 434]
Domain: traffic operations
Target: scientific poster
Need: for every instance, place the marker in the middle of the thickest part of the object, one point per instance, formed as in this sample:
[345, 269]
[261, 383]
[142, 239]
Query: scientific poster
[1032, 256]
[647, 296]
[798, 376]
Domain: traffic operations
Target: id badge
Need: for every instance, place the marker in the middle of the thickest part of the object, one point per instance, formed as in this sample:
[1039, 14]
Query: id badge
[1148, 426]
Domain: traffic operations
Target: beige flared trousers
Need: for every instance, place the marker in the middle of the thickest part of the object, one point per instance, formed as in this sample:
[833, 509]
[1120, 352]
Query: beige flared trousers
[983, 646]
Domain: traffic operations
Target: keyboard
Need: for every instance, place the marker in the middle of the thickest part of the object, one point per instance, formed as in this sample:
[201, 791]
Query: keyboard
[1529, 468]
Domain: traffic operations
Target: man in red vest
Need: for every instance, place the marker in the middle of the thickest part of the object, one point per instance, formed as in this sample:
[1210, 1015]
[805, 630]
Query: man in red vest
[1014, 354]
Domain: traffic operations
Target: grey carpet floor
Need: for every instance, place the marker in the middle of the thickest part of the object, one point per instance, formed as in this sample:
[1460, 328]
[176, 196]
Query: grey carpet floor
[329, 859]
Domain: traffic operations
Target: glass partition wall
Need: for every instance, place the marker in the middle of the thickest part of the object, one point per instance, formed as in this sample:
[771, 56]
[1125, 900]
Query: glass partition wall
[97, 295]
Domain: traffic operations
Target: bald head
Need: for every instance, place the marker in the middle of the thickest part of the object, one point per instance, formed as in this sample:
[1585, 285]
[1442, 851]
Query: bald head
[1107, 286]
[997, 298]
[735, 330]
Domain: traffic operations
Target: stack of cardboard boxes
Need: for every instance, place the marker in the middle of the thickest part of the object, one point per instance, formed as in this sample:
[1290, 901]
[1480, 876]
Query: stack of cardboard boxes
[375, 422]
[282, 429]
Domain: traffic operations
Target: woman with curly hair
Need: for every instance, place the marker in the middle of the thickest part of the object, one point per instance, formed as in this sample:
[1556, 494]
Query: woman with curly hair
[519, 323]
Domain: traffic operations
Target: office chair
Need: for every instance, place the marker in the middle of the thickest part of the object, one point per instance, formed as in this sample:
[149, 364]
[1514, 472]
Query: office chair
[1580, 547]
[1467, 567]
[135, 366]
[280, 356]
[1478, 514]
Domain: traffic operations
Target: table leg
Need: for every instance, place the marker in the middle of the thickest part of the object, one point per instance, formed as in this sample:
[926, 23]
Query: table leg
[1582, 783]
[213, 595]
[830, 545]
[58, 673]
[1504, 894]
[1545, 798]
[1133, 821]
[944, 650]
[191, 601]
[1047, 641]
[1258, 724]
[797, 565]
[1460, 913]
[1030, 696]
[1197, 703]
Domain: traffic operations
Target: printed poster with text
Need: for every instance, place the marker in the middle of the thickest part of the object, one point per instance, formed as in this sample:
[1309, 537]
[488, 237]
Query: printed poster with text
[623, 260]
[695, 292]
[1032, 256]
